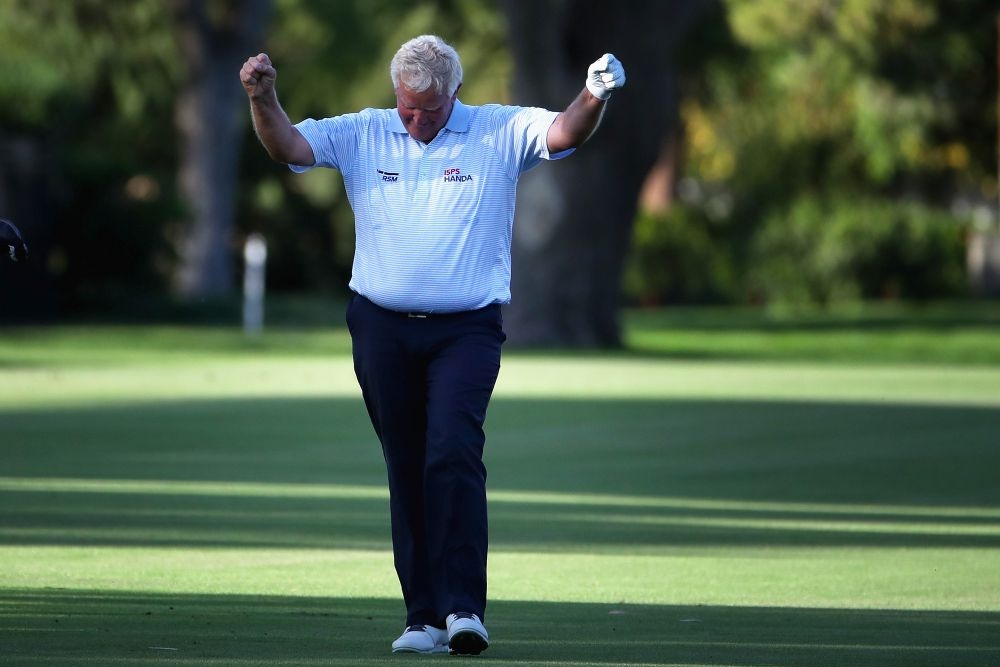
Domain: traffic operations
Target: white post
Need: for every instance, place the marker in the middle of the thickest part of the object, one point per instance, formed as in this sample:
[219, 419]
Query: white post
[255, 255]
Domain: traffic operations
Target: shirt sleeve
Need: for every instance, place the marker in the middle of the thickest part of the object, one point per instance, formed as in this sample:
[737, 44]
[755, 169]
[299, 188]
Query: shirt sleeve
[522, 134]
[334, 141]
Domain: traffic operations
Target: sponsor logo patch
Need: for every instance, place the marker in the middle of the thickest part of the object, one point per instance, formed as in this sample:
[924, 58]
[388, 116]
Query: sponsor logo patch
[455, 175]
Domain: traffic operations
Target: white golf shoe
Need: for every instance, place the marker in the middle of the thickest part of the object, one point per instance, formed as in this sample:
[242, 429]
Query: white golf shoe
[421, 639]
[466, 634]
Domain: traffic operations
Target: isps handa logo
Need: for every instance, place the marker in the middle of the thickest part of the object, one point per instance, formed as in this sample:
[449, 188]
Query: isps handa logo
[455, 175]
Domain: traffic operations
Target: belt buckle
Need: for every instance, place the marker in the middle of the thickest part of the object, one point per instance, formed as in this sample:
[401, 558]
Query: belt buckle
[417, 316]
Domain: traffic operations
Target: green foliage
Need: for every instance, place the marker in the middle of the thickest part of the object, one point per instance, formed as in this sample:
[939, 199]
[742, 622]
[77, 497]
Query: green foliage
[89, 87]
[840, 134]
[333, 57]
[826, 251]
[88, 93]
[677, 257]
[839, 89]
[789, 101]
[85, 52]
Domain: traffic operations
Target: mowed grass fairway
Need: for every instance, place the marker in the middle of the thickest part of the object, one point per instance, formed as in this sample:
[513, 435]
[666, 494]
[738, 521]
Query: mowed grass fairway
[733, 490]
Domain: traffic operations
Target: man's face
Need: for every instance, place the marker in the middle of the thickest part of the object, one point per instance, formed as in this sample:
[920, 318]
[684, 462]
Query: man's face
[423, 114]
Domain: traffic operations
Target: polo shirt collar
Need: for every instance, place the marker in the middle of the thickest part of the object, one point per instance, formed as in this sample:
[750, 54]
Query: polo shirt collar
[458, 121]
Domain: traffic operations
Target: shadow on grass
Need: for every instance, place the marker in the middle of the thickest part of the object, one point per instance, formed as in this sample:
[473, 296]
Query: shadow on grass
[45, 515]
[67, 629]
[564, 475]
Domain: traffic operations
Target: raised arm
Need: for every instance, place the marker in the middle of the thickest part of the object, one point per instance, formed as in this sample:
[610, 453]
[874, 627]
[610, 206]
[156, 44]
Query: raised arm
[282, 141]
[578, 121]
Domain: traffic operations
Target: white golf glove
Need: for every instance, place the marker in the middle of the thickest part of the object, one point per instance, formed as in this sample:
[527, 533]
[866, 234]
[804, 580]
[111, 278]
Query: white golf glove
[604, 76]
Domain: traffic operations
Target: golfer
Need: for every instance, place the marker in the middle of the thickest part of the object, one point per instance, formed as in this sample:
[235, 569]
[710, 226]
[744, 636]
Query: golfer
[432, 185]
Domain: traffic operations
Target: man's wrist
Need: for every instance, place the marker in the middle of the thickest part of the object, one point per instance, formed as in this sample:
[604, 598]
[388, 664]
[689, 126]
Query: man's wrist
[601, 93]
[601, 97]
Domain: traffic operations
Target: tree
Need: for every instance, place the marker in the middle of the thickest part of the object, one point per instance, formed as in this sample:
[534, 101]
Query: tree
[574, 218]
[121, 126]
[830, 111]
[82, 146]
[215, 38]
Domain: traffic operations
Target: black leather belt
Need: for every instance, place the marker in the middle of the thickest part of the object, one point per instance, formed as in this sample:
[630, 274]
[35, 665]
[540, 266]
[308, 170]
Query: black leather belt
[424, 315]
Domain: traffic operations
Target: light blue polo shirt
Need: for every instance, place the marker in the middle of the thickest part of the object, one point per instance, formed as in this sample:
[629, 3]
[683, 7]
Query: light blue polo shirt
[433, 221]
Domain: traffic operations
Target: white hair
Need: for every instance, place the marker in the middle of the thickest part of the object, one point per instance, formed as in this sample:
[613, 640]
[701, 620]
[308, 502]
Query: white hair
[426, 62]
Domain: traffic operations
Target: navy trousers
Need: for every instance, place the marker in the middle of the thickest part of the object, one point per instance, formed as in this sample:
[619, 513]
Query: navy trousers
[427, 381]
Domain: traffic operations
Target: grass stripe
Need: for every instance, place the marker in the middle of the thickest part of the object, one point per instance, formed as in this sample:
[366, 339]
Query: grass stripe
[358, 492]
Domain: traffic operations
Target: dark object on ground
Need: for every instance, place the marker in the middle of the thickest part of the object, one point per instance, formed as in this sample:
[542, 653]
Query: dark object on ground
[12, 241]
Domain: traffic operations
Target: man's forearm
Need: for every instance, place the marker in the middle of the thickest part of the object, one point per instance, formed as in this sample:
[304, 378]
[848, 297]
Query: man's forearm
[576, 123]
[273, 128]
[282, 141]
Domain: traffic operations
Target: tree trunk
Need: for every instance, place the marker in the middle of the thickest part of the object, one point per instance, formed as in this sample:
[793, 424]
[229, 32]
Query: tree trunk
[574, 218]
[210, 113]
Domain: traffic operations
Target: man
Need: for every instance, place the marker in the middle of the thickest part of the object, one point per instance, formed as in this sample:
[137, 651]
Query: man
[432, 185]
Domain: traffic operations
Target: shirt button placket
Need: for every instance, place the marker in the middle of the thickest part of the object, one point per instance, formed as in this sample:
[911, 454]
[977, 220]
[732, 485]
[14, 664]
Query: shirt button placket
[423, 188]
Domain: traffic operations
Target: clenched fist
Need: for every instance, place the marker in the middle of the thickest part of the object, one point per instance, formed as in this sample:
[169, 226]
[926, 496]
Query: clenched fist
[258, 76]
[604, 76]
